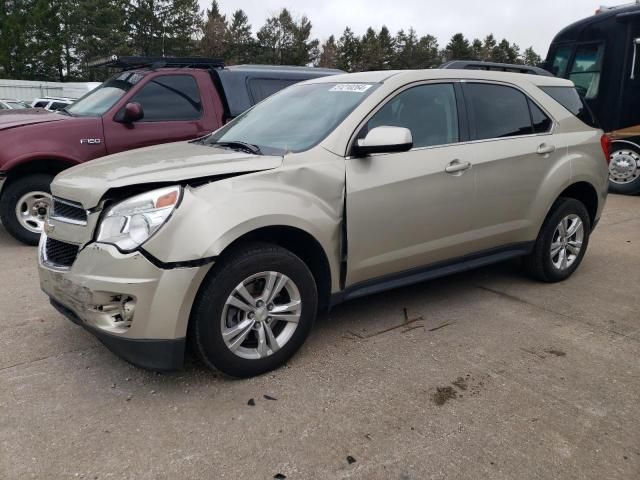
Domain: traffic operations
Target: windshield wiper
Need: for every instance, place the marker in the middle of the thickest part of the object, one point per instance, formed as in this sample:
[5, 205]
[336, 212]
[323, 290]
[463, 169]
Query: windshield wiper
[237, 145]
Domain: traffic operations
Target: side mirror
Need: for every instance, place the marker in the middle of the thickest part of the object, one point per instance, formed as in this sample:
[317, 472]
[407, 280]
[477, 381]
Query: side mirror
[133, 112]
[384, 140]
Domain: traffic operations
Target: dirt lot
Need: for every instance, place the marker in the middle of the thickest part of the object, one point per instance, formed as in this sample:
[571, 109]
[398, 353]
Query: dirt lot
[486, 375]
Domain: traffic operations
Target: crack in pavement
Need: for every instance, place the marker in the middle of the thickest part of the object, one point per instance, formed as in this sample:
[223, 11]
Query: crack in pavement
[27, 362]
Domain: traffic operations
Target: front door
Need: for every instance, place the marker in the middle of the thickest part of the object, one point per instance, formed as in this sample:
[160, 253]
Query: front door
[411, 209]
[173, 111]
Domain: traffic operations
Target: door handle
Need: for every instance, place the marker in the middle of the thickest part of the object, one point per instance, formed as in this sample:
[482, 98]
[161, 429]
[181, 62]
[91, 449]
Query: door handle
[456, 166]
[545, 148]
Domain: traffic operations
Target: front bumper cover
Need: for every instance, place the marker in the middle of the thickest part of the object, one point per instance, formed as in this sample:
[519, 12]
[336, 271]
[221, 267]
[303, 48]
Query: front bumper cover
[158, 355]
[93, 292]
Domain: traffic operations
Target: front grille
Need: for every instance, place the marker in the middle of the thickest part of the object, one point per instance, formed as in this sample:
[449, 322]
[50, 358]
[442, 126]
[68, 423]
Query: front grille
[67, 211]
[59, 253]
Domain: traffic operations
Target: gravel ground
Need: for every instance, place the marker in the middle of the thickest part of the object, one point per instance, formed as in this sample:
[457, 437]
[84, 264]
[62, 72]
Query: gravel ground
[482, 375]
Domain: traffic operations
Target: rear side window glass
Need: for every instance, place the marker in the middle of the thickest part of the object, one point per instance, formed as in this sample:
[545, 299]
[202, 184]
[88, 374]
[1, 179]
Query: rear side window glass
[497, 111]
[561, 61]
[261, 88]
[429, 111]
[58, 106]
[541, 123]
[569, 98]
[170, 98]
[41, 104]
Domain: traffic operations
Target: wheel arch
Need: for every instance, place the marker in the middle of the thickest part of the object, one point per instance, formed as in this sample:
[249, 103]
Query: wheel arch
[46, 165]
[585, 193]
[299, 242]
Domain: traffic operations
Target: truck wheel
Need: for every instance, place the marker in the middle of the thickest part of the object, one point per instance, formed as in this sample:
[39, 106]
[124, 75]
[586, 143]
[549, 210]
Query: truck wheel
[561, 243]
[624, 169]
[254, 311]
[24, 206]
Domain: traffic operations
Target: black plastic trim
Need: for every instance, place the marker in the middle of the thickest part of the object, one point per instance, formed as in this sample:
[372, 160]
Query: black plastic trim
[157, 355]
[171, 265]
[430, 272]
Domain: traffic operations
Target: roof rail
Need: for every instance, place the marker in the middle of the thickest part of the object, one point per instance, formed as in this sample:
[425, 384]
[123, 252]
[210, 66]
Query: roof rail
[128, 63]
[494, 67]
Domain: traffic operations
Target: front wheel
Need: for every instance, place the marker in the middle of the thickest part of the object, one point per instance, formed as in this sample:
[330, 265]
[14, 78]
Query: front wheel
[254, 311]
[624, 169]
[561, 243]
[24, 206]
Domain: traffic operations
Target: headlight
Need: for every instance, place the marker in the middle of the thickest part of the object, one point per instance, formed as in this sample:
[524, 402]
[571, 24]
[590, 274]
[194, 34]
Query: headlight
[130, 223]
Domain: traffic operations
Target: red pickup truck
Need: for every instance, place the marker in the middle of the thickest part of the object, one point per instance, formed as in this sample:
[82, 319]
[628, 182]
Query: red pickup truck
[150, 101]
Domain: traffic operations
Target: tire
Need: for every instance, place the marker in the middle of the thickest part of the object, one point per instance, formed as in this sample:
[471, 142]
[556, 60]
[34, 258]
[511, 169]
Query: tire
[624, 169]
[542, 264]
[36, 189]
[211, 313]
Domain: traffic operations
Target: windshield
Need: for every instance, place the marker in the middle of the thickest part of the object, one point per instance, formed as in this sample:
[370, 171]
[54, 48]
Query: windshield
[98, 101]
[294, 119]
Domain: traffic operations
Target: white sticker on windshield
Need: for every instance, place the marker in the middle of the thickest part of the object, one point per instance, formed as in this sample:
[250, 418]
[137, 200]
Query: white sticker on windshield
[350, 87]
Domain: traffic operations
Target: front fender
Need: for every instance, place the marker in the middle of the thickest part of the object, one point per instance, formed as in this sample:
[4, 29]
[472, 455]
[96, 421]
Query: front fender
[211, 217]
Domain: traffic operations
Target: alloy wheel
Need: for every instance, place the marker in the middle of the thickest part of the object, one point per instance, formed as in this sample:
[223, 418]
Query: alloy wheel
[261, 315]
[567, 242]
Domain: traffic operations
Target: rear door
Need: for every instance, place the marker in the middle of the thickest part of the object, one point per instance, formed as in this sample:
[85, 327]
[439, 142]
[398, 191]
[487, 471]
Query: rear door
[513, 149]
[173, 111]
[404, 210]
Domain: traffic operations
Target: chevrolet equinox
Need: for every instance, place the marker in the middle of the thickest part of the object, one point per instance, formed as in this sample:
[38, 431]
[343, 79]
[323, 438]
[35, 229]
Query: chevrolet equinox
[332, 189]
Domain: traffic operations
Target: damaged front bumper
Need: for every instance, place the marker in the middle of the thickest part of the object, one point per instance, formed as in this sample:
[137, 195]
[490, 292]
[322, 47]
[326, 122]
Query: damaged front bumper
[137, 309]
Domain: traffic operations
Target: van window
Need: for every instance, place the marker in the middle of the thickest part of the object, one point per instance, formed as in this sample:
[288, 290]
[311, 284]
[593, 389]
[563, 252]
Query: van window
[58, 106]
[561, 61]
[498, 111]
[586, 68]
[261, 88]
[41, 104]
[429, 111]
[170, 98]
[569, 98]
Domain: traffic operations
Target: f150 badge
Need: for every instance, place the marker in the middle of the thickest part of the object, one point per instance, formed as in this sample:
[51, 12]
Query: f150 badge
[90, 141]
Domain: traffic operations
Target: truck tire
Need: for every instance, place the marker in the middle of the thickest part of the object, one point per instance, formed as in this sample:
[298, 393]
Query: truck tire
[624, 169]
[561, 243]
[241, 326]
[24, 206]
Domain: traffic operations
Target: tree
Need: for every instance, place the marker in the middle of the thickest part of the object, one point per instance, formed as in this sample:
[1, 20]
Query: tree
[387, 47]
[329, 54]
[239, 44]
[370, 51]
[214, 33]
[506, 52]
[530, 57]
[458, 48]
[283, 41]
[476, 49]
[488, 45]
[348, 51]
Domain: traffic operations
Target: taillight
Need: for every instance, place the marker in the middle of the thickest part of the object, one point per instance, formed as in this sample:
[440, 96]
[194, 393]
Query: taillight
[605, 141]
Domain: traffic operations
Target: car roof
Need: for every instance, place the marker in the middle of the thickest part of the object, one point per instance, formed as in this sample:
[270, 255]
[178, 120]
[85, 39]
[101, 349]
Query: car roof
[407, 76]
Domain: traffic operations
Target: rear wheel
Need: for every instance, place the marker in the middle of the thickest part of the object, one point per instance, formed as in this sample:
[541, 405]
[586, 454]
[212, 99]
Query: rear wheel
[254, 312]
[624, 169]
[561, 243]
[24, 206]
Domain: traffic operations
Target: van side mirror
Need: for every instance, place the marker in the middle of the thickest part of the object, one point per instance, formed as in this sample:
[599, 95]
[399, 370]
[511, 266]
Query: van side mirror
[133, 112]
[384, 140]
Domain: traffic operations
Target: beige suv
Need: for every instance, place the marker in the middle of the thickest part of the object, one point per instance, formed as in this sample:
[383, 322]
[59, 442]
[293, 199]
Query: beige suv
[332, 189]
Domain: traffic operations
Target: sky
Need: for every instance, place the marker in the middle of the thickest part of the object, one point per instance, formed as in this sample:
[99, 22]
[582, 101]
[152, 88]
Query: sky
[525, 22]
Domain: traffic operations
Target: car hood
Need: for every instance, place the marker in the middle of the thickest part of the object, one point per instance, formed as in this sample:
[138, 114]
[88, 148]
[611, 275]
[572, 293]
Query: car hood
[28, 116]
[175, 162]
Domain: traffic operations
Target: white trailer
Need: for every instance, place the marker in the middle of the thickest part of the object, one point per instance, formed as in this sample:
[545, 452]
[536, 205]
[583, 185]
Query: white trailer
[29, 90]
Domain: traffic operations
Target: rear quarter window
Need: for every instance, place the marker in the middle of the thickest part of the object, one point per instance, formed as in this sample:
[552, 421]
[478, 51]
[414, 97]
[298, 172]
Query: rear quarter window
[261, 88]
[569, 98]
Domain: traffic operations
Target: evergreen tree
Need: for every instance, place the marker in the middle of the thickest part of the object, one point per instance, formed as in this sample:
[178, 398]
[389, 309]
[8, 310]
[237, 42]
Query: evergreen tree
[239, 44]
[348, 51]
[427, 54]
[530, 57]
[506, 52]
[488, 45]
[329, 54]
[458, 48]
[387, 47]
[476, 49]
[214, 30]
[370, 52]
[283, 41]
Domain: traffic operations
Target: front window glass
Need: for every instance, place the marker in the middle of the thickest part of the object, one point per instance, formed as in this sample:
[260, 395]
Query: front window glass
[294, 119]
[429, 111]
[101, 99]
[17, 105]
[585, 70]
[170, 98]
[560, 61]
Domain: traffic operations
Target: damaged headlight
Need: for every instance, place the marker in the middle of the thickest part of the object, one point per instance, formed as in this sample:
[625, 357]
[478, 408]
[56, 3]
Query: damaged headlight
[132, 222]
